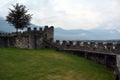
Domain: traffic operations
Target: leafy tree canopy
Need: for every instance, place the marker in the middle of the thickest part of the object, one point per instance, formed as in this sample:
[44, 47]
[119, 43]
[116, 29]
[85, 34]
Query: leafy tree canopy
[18, 16]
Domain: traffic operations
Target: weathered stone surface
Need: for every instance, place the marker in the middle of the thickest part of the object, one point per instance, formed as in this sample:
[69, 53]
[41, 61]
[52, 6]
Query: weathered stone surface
[117, 71]
[29, 39]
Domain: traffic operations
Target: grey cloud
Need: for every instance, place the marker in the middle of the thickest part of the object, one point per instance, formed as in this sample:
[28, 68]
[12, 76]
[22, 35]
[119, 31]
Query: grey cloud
[71, 13]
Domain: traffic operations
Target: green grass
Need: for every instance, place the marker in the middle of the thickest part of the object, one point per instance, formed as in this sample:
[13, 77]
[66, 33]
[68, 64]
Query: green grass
[46, 64]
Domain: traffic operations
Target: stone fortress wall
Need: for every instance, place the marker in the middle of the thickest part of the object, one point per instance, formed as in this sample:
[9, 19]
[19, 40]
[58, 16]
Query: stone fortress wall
[112, 48]
[30, 39]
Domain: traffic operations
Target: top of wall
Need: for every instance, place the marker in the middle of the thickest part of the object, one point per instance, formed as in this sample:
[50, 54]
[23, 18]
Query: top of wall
[29, 30]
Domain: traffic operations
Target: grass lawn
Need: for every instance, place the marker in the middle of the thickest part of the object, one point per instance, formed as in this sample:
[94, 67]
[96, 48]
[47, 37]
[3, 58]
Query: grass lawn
[46, 64]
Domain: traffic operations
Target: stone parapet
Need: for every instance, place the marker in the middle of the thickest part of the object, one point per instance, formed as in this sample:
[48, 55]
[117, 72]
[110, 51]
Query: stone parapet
[31, 38]
[100, 47]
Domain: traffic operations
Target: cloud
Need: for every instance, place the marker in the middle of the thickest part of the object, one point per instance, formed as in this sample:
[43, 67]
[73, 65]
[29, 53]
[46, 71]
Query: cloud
[71, 14]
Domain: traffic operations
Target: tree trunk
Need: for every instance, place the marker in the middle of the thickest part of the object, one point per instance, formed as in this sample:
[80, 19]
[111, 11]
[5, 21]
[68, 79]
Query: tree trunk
[16, 30]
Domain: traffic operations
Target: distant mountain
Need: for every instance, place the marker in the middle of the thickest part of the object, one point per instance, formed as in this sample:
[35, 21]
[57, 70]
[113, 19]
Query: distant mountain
[70, 34]
[5, 27]
[78, 34]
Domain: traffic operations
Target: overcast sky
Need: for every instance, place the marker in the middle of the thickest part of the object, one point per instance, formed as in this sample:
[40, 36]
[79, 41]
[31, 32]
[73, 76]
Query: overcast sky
[70, 14]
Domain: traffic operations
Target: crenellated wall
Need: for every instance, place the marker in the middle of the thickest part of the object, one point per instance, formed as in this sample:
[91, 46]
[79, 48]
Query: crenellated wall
[28, 39]
[98, 47]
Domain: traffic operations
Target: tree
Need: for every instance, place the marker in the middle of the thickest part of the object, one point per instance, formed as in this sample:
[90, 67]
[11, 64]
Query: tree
[18, 17]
